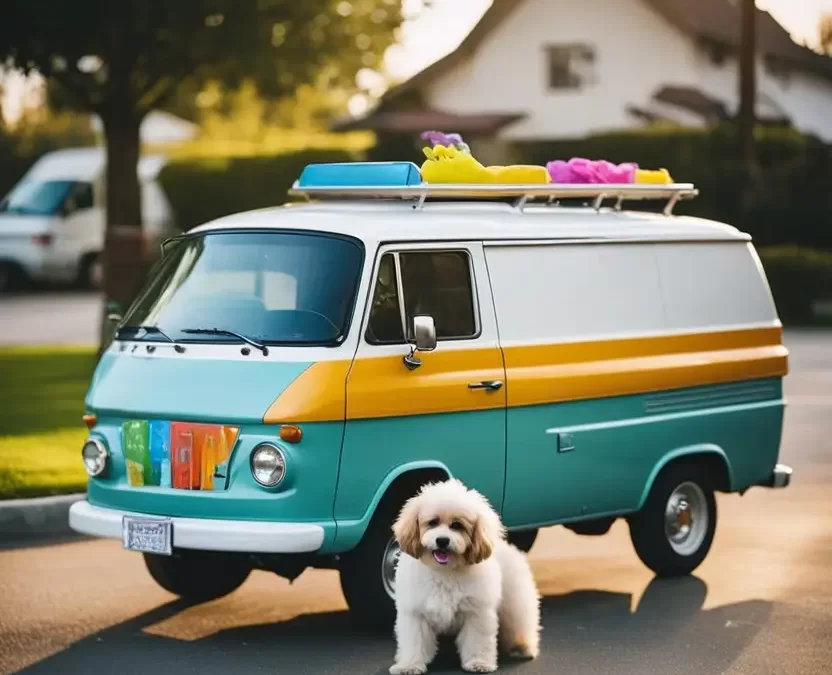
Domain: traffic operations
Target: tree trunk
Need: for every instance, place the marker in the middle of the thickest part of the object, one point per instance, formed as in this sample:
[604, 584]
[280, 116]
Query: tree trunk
[748, 83]
[125, 259]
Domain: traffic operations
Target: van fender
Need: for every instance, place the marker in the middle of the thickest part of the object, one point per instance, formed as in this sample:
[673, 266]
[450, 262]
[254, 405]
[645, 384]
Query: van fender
[350, 532]
[673, 455]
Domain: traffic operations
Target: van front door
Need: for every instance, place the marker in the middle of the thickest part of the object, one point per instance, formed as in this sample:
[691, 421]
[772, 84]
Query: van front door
[448, 411]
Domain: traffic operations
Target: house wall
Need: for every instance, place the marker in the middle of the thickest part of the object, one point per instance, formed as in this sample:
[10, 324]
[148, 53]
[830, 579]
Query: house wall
[637, 51]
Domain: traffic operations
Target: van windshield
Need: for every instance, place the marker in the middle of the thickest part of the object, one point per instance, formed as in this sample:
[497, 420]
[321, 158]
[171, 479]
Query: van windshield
[284, 288]
[37, 198]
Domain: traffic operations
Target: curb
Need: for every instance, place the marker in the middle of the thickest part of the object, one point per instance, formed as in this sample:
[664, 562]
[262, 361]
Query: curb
[36, 518]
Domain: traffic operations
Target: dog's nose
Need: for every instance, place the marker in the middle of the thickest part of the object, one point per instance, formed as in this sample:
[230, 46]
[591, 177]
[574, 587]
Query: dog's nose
[442, 542]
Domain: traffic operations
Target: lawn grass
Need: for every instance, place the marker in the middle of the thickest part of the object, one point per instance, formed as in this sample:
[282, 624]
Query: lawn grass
[41, 403]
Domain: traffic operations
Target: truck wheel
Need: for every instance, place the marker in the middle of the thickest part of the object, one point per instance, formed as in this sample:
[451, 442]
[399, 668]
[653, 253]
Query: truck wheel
[368, 574]
[523, 539]
[197, 577]
[674, 530]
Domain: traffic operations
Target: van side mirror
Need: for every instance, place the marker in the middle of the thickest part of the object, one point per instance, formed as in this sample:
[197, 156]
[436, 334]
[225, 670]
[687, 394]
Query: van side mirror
[424, 340]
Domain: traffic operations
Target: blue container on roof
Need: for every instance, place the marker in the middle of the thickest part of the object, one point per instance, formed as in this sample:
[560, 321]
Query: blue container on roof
[360, 174]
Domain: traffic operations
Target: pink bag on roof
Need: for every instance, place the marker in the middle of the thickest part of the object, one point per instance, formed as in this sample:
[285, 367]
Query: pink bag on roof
[582, 170]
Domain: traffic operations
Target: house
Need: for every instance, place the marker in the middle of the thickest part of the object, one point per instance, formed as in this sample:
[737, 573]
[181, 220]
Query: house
[554, 69]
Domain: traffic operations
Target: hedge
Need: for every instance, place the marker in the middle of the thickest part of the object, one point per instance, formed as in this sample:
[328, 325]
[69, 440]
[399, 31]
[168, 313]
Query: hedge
[203, 189]
[801, 281]
[788, 202]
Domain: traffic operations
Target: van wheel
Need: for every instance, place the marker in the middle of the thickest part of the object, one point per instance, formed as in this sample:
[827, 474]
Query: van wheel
[197, 577]
[523, 539]
[12, 277]
[89, 272]
[368, 575]
[673, 532]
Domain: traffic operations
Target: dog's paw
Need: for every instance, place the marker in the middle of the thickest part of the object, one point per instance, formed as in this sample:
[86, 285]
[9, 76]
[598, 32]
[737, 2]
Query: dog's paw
[408, 669]
[523, 651]
[479, 666]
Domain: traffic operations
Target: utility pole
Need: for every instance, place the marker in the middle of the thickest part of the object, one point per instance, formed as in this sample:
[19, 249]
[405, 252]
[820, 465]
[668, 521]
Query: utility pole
[748, 82]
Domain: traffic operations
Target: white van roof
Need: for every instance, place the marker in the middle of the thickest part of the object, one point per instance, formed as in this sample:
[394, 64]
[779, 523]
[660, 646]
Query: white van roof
[377, 221]
[87, 164]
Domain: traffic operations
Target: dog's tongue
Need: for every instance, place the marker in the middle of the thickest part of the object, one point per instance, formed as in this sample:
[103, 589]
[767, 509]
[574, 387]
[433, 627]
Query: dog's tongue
[441, 557]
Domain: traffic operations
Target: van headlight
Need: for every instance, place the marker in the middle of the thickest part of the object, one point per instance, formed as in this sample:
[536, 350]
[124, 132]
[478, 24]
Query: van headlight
[95, 456]
[268, 465]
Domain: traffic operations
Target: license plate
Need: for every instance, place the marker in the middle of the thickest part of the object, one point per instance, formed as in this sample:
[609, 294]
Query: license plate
[147, 535]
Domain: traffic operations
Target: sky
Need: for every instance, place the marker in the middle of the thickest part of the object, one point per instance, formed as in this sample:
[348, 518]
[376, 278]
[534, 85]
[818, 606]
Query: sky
[432, 33]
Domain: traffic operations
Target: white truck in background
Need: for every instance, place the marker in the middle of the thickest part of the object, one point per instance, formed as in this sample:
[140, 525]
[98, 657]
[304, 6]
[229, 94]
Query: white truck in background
[52, 222]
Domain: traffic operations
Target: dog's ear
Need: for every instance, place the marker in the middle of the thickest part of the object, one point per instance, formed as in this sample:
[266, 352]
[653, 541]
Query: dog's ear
[481, 546]
[406, 529]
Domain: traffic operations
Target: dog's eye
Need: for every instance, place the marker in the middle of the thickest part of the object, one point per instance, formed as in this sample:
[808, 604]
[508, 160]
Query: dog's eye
[433, 522]
[456, 525]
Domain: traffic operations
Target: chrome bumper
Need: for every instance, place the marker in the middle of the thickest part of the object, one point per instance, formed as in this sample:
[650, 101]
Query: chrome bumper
[204, 534]
[779, 478]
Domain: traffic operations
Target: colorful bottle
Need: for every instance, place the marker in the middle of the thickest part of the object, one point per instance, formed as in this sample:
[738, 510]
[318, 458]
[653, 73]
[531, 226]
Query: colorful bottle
[135, 439]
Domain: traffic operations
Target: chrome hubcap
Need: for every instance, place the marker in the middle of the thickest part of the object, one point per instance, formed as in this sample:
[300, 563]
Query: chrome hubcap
[388, 566]
[686, 518]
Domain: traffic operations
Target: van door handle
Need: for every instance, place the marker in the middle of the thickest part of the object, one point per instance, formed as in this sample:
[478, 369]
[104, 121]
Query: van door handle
[488, 385]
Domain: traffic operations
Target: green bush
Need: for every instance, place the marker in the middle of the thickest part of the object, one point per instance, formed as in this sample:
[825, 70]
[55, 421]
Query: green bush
[799, 279]
[789, 202]
[206, 188]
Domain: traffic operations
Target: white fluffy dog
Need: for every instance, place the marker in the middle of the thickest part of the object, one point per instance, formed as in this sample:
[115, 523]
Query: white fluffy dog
[458, 575]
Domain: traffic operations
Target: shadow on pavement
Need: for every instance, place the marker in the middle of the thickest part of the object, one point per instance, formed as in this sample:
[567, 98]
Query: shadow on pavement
[592, 632]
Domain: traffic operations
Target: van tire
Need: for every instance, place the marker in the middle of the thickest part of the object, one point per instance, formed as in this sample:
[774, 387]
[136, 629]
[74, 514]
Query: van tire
[361, 572]
[197, 576]
[682, 497]
[523, 539]
[12, 277]
[86, 278]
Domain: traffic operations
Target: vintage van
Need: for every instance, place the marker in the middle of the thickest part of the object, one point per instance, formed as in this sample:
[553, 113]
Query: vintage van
[290, 376]
[52, 222]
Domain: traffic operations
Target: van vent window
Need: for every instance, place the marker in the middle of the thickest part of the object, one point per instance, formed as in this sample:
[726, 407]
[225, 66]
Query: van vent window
[385, 325]
[434, 283]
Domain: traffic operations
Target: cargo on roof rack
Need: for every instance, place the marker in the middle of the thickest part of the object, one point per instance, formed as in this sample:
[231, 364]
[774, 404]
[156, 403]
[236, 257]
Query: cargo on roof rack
[401, 180]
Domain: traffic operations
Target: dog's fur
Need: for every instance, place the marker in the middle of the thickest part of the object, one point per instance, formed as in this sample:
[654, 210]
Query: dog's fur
[484, 592]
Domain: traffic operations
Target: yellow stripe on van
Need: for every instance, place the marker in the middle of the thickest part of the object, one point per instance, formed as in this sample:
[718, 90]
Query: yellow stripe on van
[318, 394]
[535, 374]
[568, 372]
[383, 387]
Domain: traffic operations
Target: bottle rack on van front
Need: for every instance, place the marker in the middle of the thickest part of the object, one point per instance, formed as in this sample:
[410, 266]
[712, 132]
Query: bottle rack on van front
[522, 194]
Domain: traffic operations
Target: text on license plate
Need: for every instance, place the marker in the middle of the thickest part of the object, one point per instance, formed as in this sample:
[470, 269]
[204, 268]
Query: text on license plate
[147, 535]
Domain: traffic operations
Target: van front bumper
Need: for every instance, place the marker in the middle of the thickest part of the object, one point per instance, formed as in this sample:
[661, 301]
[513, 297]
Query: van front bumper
[243, 536]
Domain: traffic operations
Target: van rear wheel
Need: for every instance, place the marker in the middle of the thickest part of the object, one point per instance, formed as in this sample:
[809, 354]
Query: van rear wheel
[197, 576]
[673, 532]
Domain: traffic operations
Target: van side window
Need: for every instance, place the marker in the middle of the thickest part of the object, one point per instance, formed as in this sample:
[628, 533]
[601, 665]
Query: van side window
[435, 283]
[439, 284]
[83, 196]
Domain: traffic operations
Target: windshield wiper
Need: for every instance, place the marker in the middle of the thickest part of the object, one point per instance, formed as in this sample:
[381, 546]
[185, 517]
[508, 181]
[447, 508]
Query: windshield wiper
[154, 330]
[221, 331]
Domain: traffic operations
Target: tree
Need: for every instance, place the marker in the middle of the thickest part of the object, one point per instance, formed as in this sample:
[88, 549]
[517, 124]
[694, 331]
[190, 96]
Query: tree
[748, 82]
[122, 59]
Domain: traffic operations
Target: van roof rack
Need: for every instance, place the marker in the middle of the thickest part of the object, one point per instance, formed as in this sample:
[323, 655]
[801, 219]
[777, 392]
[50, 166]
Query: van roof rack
[401, 180]
[520, 194]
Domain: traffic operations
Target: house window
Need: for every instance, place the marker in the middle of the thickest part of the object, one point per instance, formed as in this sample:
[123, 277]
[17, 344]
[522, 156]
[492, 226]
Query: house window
[434, 283]
[570, 66]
